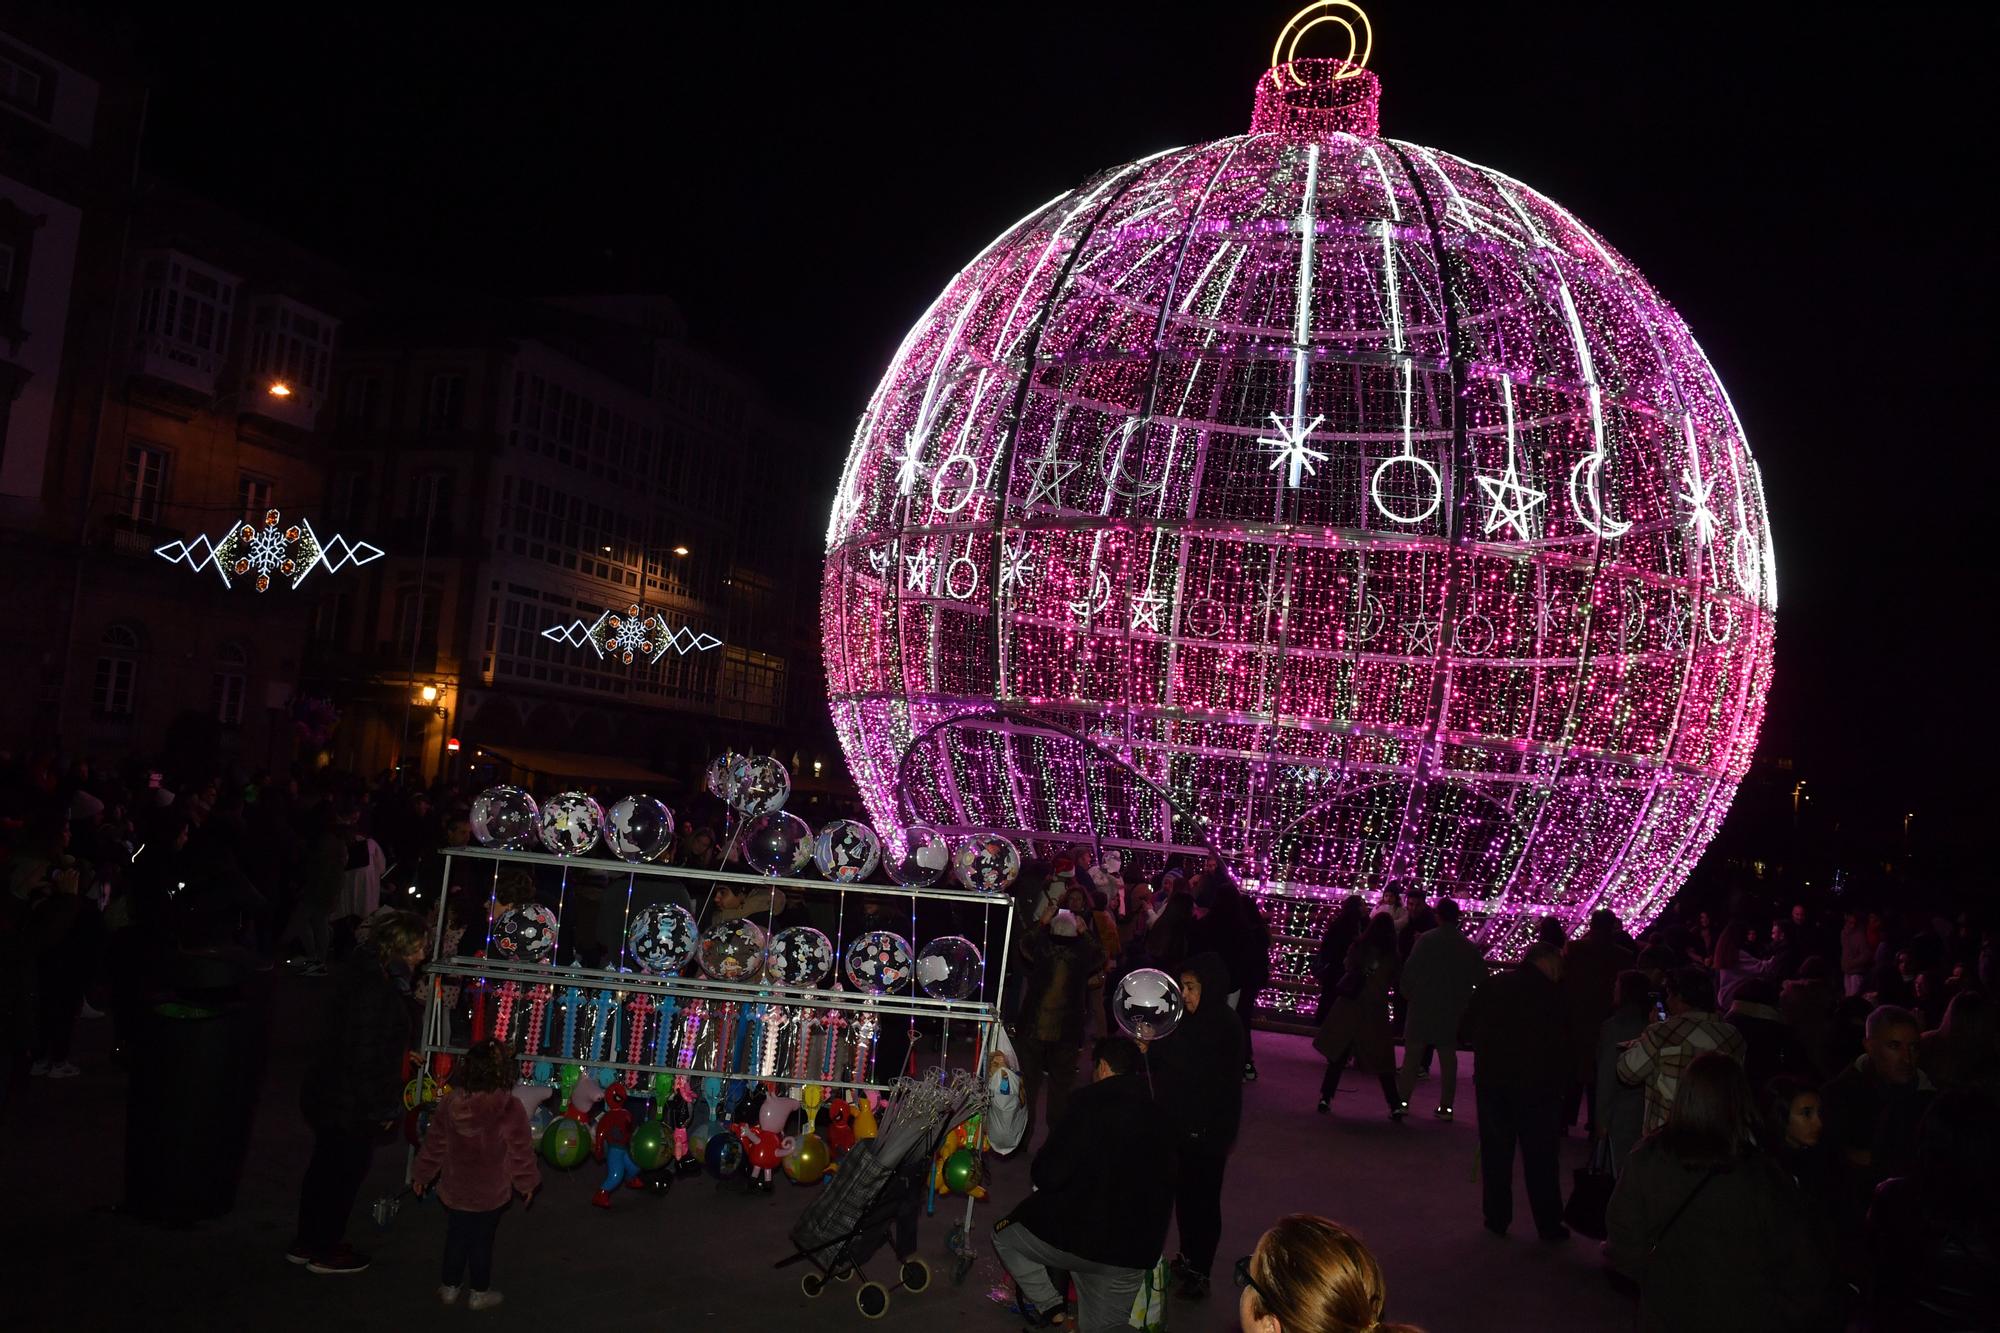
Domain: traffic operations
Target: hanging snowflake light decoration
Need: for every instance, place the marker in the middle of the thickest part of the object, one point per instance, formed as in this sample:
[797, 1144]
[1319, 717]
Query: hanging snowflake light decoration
[1309, 452]
[272, 549]
[633, 635]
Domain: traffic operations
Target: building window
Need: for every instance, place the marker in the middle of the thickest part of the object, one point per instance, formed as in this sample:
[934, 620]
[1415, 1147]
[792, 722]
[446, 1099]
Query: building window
[350, 490]
[253, 496]
[444, 405]
[330, 618]
[292, 343]
[430, 500]
[117, 667]
[231, 662]
[145, 482]
[184, 310]
[361, 400]
[26, 84]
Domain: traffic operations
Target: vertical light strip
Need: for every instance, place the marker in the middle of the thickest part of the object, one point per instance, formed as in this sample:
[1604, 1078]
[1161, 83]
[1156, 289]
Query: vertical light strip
[1382, 174]
[1389, 284]
[1302, 330]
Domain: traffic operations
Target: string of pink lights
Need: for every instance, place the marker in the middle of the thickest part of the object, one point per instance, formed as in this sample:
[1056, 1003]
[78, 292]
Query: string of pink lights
[1360, 500]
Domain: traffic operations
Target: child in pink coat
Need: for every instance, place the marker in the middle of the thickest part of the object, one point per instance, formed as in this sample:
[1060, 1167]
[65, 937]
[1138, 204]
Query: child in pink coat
[479, 1154]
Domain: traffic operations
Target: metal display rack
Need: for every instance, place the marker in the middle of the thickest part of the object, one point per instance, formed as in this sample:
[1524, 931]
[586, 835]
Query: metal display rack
[978, 1014]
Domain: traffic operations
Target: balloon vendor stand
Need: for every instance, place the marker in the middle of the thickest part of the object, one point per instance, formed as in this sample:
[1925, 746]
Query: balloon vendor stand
[801, 1011]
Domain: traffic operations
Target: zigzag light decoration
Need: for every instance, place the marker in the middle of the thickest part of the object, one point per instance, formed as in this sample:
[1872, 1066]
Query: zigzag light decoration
[635, 635]
[289, 551]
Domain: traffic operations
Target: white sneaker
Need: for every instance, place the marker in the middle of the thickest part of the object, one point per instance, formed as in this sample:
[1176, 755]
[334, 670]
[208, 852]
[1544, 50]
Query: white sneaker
[448, 1295]
[64, 1070]
[482, 1300]
[39, 1069]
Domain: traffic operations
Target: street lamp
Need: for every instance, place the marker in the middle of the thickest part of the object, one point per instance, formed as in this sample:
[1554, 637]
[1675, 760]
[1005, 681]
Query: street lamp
[429, 694]
[681, 550]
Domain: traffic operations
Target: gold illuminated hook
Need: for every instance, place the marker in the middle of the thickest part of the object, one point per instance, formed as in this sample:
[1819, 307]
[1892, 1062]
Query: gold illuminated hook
[1359, 43]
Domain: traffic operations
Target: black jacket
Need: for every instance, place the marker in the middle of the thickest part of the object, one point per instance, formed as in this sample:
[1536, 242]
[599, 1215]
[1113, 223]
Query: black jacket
[1742, 1255]
[1198, 1069]
[355, 1078]
[1108, 1206]
[1520, 1032]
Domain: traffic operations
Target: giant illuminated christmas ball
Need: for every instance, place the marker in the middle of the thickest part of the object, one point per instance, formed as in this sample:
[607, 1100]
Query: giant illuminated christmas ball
[1322, 499]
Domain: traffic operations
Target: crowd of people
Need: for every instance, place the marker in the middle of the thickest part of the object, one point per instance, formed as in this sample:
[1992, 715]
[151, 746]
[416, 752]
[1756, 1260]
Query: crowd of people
[1785, 1104]
[1798, 1108]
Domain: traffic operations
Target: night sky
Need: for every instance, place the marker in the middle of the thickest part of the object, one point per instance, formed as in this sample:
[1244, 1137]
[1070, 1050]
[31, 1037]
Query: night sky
[1802, 185]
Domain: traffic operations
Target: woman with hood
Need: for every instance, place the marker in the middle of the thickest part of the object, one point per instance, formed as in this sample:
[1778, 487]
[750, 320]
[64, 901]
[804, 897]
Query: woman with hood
[1357, 1025]
[1199, 1073]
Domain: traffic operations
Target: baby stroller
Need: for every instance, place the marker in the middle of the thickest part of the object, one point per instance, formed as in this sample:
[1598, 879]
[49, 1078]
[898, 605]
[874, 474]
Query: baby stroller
[878, 1193]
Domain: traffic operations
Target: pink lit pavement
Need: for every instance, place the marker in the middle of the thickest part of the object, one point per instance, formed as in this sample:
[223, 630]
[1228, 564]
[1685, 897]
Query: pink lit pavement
[700, 1258]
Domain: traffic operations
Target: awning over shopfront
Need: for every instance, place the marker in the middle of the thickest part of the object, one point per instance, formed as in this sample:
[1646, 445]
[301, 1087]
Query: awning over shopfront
[571, 764]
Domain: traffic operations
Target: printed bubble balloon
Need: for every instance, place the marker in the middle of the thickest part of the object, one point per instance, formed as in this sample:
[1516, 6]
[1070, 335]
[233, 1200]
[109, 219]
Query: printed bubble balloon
[757, 784]
[566, 1143]
[733, 951]
[798, 956]
[639, 828]
[847, 852]
[878, 962]
[525, 934]
[662, 937]
[950, 968]
[1147, 1004]
[926, 860]
[505, 817]
[987, 863]
[571, 824]
[1322, 497]
[777, 844]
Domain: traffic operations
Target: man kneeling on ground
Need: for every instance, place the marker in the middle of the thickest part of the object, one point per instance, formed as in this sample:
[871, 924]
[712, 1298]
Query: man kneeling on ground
[1104, 1192]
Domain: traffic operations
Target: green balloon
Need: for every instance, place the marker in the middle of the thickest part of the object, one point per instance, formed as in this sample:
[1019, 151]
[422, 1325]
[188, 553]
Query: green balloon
[961, 1171]
[565, 1143]
[650, 1146]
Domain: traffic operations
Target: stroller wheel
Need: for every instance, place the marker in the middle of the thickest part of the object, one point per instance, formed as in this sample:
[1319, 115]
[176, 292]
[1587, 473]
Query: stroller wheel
[812, 1284]
[842, 1273]
[916, 1275]
[872, 1299]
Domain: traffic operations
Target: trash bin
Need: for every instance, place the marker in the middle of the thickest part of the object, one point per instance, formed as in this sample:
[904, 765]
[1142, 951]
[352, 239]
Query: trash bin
[197, 1070]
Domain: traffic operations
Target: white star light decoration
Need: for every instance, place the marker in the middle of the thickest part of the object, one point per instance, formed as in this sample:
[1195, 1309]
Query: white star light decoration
[1697, 494]
[918, 570]
[1146, 609]
[911, 467]
[1292, 448]
[635, 635]
[1051, 471]
[276, 549]
[1513, 501]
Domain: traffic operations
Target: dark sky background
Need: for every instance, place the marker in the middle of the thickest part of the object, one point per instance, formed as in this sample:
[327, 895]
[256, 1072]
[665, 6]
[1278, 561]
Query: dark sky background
[1802, 184]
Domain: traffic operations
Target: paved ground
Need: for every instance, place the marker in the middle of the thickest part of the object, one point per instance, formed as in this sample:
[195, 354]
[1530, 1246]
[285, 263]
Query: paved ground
[76, 1263]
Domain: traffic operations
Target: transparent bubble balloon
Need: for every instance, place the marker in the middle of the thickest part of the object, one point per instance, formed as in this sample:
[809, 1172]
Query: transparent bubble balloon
[950, 968]
[1147, 1004]
[987, 864]
[717, 777]
[662, 937]
[525, 934]
[505, 817]
[777, 844]
[757, 784]
[639, 828]
[733, 951]
[924, 862]
[846, 851]
[879, 962]
[571, 824]
[798, 956]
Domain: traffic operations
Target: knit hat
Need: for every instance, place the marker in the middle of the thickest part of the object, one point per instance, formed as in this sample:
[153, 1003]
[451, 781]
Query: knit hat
[1063, 924]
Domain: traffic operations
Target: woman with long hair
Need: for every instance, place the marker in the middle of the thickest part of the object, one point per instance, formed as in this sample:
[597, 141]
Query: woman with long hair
[1794, 1131]
[1309, 1275]
[1709, 1226]
[1357, 1027]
